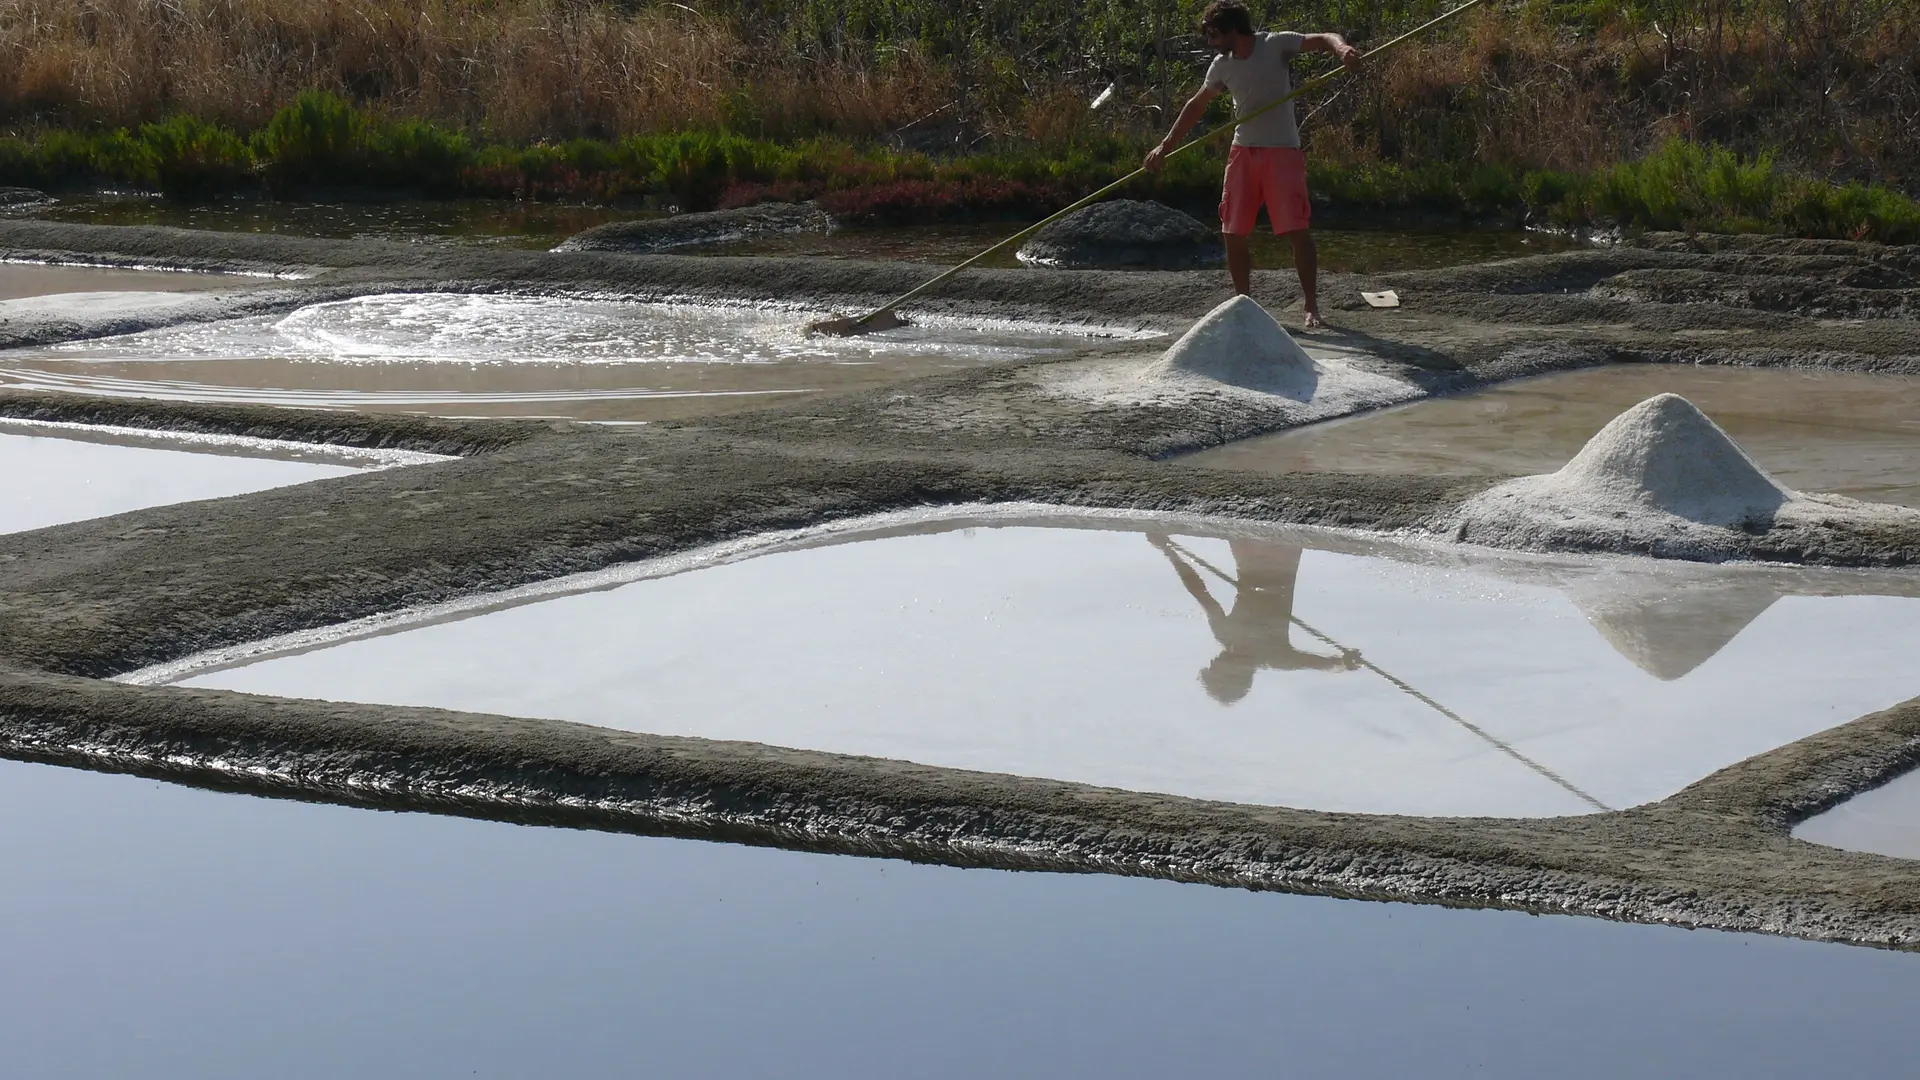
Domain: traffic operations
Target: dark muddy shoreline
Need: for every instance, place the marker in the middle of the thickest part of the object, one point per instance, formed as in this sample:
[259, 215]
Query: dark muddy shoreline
[531, 501]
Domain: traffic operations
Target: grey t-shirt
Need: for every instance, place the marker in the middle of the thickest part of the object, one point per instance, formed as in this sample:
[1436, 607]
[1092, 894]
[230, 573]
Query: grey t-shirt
[1260, 78]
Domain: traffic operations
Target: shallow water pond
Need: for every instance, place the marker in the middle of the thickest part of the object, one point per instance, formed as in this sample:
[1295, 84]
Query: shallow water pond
[1344, 251]
[166, 932]
[543, 225]
[472, 221]
[1851, 434]
[1884, 821]
[504, 355]
[1272, 666]
[52, 474]
[23, 280]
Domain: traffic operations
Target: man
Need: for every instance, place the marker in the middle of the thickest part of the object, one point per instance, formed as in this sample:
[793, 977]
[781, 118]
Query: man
[1265, 164]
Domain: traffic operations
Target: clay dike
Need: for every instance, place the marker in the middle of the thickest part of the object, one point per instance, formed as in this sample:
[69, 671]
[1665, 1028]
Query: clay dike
[530, 501]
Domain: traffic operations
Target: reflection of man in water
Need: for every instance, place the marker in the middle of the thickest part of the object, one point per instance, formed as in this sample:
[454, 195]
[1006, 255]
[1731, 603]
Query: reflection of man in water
[1257, 632]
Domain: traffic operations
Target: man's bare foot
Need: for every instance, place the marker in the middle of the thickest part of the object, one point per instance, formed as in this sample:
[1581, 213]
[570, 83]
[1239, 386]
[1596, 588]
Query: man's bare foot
[1313, 321]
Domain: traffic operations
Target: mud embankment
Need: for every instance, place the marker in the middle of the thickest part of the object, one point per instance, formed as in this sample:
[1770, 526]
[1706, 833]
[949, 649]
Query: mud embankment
[85, 601]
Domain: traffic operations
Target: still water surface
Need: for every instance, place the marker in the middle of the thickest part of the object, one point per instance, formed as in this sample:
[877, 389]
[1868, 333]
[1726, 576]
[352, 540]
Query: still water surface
[542, 225]
[49, 480]
[1275, 666]
[164, 932]
[1849, 433]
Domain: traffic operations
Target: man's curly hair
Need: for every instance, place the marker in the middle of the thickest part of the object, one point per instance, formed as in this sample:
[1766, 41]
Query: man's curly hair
[1227, 17]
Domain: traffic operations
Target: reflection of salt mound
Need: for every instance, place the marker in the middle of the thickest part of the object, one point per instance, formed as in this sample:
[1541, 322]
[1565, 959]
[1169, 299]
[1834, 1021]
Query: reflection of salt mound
[1667, 631]
[1239, 344]
[1661, 479]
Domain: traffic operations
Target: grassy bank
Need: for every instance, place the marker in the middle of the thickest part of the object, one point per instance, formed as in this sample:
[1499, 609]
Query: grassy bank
[1827, 88]
[324, 142]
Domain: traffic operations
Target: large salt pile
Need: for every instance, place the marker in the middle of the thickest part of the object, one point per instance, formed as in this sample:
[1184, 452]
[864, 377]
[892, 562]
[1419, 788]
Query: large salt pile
[1236, 367]
[1239, 344]
[1665, 455]
[1661, 479]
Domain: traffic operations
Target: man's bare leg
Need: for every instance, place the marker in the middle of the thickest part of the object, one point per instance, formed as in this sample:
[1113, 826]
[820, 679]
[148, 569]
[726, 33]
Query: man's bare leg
[1239, 263]
[1306, 259]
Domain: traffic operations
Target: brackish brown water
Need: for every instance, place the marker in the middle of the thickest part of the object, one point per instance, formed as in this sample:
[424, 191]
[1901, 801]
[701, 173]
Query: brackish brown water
[1847, 433]
[20, 281]
[1884, 821]
[542, 225]
[1350, 251]
[471, 221]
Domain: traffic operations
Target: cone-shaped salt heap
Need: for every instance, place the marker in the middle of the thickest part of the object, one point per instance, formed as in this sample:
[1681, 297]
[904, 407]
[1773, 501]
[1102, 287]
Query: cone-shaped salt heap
[1663, 480]
[1238, 343]
[1660, 479]
[1664, 454]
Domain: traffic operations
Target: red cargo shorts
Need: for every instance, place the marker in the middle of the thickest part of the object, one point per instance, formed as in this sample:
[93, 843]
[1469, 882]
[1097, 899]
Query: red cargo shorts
[1273, 175]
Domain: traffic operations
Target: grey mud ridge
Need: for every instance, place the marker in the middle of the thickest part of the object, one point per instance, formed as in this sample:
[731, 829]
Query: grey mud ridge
[531, 501]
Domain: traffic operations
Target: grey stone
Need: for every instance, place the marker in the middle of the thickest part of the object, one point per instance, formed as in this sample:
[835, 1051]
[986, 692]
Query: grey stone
[1125, 234]
[710, 227]
[21, 196]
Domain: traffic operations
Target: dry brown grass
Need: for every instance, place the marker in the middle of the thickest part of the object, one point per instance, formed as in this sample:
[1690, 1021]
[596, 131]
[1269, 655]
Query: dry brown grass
[1832, 85]
[515, 70]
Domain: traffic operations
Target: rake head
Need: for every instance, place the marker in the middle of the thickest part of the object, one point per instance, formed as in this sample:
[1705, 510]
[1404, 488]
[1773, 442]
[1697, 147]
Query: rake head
[854, 326]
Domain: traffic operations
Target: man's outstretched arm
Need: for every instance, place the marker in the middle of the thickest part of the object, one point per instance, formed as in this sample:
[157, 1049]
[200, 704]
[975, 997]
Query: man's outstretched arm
[1348, 56]
[1190, 115]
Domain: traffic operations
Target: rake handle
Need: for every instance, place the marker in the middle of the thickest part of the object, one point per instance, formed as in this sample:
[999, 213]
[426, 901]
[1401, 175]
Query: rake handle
[1317, 80]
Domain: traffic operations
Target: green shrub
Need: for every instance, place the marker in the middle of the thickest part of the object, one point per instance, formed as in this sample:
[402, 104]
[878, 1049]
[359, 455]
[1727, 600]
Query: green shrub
[322, 139]
[318, 139]
[192, 157]
[415, 154]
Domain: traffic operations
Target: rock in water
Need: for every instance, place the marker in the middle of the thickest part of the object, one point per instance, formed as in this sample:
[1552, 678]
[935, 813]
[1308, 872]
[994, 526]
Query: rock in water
[1124, 234]
[21, 196]
[1238, 343]
[712, 227]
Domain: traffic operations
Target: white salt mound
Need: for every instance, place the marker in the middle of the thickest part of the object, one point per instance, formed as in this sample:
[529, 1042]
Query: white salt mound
[1665, 455]
[1661, 478]
[1239, 344]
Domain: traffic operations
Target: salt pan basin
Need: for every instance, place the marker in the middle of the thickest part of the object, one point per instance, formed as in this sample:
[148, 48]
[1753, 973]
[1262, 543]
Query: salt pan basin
[166, 933]
[52, 474]
[583, 358]
[1884, 821]
[1849, 433]
[1286, 667]
[20, 280]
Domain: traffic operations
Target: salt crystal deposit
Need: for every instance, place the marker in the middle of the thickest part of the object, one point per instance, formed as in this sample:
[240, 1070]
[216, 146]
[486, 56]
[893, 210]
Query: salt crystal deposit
[1660, 479]
[1238, 358]
[1664, 455]
[1239, 344]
